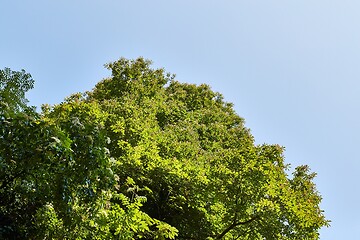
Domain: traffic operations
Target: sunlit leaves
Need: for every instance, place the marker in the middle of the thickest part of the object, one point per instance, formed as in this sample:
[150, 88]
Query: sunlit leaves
[143, 156]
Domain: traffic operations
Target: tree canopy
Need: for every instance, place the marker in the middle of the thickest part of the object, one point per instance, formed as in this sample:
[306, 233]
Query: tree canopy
[143, 156]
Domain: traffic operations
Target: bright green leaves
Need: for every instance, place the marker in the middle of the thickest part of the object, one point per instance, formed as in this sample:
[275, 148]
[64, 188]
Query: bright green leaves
[110, 144]
[189, 147]
[145, 157]
[131, 79]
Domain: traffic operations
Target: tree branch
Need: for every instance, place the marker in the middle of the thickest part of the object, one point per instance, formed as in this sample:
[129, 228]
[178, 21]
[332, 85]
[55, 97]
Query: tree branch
[235, 224]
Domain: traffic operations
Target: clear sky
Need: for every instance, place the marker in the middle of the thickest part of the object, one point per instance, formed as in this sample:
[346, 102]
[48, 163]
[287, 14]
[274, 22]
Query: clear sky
[290, 67]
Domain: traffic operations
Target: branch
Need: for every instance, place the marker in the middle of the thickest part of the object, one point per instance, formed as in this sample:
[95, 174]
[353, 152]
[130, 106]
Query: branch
[235, 224]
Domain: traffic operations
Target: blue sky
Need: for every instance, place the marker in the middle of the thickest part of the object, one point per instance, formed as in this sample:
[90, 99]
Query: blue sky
[290, 67]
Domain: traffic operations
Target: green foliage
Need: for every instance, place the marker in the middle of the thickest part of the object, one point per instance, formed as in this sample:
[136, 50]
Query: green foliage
[29, 152]
[13, 86]
[142, 156]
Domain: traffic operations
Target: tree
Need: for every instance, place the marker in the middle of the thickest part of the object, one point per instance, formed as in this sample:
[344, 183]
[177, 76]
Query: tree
[144, 156]
[207, 177]
[13, 86]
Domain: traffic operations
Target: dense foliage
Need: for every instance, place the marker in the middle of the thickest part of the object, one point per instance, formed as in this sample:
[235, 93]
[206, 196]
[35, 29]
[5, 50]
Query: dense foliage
[142, 156]
[13, 86]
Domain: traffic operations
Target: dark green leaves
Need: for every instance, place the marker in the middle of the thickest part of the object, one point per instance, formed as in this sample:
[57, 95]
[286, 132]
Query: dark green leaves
[13, 86]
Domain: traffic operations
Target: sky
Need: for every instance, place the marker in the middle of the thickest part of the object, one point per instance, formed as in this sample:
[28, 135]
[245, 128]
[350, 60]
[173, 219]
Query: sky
[291, 68]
